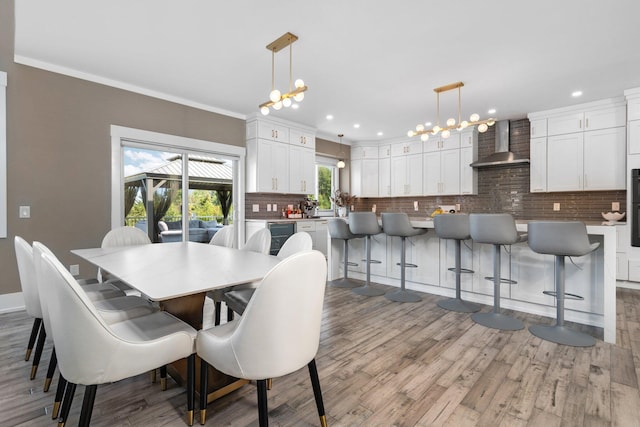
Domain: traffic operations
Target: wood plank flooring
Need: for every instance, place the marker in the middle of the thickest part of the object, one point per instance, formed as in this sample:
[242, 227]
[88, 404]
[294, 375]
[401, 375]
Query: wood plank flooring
[383, 364]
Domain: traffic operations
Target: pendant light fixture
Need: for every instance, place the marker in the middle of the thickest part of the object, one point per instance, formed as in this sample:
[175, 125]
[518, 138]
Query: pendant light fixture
[451, 123]
[341, 164]
[277, 100]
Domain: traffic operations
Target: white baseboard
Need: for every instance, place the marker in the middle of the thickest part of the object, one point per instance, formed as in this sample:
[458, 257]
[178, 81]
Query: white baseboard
[627, 285]
[11, 302]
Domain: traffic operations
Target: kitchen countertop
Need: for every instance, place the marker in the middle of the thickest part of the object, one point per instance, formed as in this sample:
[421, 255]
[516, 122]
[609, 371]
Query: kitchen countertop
[322, 218]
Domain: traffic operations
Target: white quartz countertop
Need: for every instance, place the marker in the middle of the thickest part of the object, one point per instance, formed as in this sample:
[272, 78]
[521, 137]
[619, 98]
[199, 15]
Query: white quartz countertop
[289, 219]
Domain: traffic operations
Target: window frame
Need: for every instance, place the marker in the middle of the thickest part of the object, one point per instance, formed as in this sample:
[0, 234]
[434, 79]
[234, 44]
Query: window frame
[335, 180]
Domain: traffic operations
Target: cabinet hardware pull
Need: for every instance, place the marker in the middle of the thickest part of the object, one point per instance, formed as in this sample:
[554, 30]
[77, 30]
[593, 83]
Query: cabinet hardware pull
[579, 124]
[586, 125]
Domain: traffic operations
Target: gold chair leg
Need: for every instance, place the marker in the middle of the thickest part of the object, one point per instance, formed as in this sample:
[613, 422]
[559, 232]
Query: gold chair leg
[34, 369]
[190, 418]
[153, 376]
[203, 416]
[28, 355]
[56, 410]
[323, 421]
[269, 383]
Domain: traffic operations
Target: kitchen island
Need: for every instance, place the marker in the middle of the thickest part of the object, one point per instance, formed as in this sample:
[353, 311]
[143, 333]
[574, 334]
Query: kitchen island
[592, 276]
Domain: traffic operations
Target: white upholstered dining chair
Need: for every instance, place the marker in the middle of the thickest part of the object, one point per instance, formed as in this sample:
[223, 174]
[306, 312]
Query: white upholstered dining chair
[260, 242]
[91, 352]
[237, 299]
[224, 237]
[274, 337]
[112, 310]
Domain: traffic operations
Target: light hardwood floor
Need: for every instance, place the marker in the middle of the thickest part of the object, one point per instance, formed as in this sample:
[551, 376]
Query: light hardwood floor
[383, 364]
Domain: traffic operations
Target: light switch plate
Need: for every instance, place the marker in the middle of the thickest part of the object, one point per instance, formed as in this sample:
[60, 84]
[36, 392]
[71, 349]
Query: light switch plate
[615, 206]
[556, 206]
[415, 205]
[25, 212]
[275, 207]
[268, 207]
[256, 208]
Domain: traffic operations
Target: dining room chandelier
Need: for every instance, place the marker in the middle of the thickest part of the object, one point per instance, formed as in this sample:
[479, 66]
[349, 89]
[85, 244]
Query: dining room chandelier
[277, 100]
[451, 124]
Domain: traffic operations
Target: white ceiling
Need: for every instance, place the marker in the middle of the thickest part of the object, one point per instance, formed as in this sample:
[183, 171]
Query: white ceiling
[369, 62]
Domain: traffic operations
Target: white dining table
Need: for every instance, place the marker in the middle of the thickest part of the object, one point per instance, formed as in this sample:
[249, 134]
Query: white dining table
[177, 276]
[165, 271]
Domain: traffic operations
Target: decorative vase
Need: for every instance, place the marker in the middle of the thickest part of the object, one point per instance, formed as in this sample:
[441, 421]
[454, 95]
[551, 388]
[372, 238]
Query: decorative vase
[342, 211]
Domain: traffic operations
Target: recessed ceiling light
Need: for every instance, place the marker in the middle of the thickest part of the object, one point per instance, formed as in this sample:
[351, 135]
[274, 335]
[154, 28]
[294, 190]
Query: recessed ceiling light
[329, 117]
[492, 111]
[427, 124]
[380, 133]
[576, 94]
[357, 126]
[295, 106]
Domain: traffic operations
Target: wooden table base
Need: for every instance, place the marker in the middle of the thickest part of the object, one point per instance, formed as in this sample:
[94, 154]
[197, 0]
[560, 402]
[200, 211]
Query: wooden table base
[189, 309]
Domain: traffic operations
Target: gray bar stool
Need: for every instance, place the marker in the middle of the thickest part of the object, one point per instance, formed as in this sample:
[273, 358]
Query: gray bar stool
[339, 229]
[366, 224]
[398, 224]
[455, 227]
[561, 239]
[498, 230]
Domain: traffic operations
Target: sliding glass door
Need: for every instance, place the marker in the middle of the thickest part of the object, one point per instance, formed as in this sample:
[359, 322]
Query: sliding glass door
[178, 193]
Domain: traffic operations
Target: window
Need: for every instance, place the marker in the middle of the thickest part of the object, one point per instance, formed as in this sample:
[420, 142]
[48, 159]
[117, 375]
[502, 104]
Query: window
[326, 183]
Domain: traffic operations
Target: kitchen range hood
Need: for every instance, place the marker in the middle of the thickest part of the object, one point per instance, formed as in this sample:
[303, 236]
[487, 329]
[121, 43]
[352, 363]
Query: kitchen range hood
[501, 156]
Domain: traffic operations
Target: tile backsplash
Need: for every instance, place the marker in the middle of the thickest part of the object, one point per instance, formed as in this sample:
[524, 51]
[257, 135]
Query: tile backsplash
[500, 189]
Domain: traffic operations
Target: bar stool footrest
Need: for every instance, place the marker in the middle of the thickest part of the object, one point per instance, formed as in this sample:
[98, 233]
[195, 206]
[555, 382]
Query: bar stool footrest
[503, 280]
[566, 295]
[373, 261]
[562, 335]
[352, 264]
[406, 264]
[462, 270]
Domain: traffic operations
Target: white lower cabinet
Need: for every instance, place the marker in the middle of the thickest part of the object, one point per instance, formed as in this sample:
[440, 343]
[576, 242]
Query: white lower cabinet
[357, 254]
[448, 260]
[318, 232]
[422, 251]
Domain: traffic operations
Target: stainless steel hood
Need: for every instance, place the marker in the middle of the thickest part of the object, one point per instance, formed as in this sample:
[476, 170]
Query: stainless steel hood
[501, 156]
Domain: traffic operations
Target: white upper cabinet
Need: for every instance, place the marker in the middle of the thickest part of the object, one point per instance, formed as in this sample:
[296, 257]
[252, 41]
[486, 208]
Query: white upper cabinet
[538, 128]
[364, 171]
[280, 157]
[438, 143]
[384, 171]
[583, 149]
[596, 119]
[302, 138]
[409, 147]
[273, 131]
[538, 165]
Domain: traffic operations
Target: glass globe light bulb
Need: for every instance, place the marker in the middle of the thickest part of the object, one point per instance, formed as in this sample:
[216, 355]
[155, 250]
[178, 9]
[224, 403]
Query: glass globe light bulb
[420, 128]
[474, 117]
[491, 122]
[424, 137]
[446, 134]
[451, 121]
[436, 129]
[483, 128]
[299, 83]
[264, 111]
[464, 124]
[410, 133]
[277, 105]
[286, 102]
[299, 97]
[341, 164]
[274, 95]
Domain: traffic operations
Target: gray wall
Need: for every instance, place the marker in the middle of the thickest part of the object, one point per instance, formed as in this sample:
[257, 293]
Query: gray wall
[59, 148]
